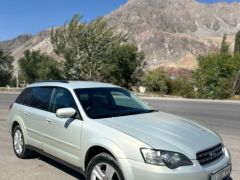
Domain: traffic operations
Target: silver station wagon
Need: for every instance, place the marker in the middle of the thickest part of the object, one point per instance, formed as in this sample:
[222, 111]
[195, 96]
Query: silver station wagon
[107, 133]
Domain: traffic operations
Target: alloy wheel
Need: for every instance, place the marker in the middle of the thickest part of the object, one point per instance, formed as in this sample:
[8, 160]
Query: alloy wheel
[104, 171]
[18, 142]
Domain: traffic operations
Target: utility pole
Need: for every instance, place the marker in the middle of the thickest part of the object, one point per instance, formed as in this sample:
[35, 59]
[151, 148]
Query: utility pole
[17, 80]
[236, 87]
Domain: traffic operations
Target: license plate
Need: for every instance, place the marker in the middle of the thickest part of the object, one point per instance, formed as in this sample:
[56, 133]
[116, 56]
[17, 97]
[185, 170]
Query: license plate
[221, 174]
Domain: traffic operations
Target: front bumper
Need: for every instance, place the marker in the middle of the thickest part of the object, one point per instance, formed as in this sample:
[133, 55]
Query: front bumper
[134, 170]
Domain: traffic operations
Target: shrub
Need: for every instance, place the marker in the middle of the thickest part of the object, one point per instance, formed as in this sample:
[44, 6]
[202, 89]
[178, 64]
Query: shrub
[216, 75]
[182, 87]
[157, 81]
[6, 68]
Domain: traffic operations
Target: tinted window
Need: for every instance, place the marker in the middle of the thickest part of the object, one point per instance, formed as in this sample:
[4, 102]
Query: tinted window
[41, 97]
[125, 101]
[37, 97]
[63, 99]
[25, 97]
[110, 102]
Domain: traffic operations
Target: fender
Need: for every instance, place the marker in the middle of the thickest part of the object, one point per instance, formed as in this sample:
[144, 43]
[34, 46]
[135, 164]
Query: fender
[19, 120]
[114, 150]
[104, 143]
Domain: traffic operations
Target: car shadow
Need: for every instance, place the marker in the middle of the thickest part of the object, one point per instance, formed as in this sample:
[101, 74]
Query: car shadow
[61, 167]
[66, 169]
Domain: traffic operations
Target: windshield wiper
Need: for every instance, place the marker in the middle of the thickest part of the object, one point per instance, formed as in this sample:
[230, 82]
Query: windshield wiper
[133, 113]
[152, 110]
[127, 113]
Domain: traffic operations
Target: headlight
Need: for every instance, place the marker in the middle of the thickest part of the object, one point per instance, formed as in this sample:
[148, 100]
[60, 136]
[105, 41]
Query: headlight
[172, 160]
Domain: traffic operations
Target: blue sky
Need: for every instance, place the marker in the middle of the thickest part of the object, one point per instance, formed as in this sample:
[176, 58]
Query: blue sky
[31, 16]
[213, 1]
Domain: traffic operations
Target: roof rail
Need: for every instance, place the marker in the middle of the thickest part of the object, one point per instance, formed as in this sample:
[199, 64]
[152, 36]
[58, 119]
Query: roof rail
[49, 81]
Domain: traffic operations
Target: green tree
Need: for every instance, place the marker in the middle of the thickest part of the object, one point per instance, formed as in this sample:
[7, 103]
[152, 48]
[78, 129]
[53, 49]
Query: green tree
[237, 43]
[224, 46]
[6, 68]
[157, 81]
[38, 66]
[216, 74]
[124, 66]
[84, 47]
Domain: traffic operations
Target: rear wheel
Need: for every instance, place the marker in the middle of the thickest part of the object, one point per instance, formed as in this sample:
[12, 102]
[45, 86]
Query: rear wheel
[104, 167]
[19, 146]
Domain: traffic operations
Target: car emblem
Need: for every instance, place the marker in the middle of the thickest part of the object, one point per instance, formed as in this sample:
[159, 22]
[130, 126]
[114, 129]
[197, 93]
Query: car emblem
[213, 154]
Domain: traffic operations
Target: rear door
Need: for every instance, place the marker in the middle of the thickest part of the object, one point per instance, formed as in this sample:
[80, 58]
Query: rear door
[65, 134]
[34, 110]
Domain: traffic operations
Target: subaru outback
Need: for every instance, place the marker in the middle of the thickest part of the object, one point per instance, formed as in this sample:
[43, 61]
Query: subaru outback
[107, 133]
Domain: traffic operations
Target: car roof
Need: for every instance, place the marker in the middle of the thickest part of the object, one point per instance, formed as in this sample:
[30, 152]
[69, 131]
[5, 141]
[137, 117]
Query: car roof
[72, 84]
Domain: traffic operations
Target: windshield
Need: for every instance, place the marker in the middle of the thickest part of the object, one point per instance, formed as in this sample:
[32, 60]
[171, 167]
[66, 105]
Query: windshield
[110, 102]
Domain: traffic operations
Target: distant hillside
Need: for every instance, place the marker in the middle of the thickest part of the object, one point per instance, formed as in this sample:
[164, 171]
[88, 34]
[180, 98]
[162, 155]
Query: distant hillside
[172, 33]
[10, 45]
[18, 45]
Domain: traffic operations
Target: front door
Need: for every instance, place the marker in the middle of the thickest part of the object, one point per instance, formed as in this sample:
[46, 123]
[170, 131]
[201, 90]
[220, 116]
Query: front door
[65, 134]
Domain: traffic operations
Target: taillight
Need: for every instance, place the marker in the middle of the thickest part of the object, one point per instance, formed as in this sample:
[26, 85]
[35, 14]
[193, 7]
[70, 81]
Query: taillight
[10, 107]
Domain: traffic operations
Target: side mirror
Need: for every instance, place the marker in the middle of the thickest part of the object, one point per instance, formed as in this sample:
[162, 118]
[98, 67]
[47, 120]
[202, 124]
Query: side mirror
[65, 112]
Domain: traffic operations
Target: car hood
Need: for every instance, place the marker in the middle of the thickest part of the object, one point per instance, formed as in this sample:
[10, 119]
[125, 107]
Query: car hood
[165, 132]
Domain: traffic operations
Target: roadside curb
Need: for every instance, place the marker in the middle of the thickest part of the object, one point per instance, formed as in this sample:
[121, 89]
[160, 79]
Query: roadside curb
[9, 92]
[191, 100]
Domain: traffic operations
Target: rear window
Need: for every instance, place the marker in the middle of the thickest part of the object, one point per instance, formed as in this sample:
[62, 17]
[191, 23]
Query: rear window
[37, 97]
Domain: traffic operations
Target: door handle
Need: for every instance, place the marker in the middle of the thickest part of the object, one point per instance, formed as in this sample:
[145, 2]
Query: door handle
[49, 121]
[25, 114]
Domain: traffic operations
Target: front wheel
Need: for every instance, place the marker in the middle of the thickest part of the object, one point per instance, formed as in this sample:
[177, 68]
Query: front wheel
[104, 167]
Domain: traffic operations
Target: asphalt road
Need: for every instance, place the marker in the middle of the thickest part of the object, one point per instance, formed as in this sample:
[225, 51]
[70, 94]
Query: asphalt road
[223, 117]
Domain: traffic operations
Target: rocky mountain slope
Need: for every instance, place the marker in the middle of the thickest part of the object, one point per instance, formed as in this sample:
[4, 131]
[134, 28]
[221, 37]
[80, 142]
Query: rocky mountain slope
[172, 33]
[18, 45]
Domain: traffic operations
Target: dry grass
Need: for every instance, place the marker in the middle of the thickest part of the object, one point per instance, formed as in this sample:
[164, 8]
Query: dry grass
[235, 98]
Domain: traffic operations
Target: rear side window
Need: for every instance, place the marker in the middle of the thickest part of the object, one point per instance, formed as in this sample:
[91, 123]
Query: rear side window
[37, 97]
[25, 97]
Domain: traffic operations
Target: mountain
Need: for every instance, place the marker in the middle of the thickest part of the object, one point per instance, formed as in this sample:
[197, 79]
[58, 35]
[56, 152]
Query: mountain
[18, 45]
[9, 45]
[172, 33]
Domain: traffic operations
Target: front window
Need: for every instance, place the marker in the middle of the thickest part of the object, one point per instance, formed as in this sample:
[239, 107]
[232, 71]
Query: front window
[110, 102]
[62, 99]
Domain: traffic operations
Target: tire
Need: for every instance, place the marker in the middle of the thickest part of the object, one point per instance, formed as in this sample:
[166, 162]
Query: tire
[19, 146]
[103, 166]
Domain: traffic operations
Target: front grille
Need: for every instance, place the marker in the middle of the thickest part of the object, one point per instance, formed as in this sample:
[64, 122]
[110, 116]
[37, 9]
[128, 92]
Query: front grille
[209, 155]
